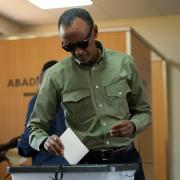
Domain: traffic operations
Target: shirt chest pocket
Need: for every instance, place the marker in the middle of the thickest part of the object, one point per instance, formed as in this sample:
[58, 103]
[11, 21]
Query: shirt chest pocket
[117, 98]
[78, 104]
[118, 90]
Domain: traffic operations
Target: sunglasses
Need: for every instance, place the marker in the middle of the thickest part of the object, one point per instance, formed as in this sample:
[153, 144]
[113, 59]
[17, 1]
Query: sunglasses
[81, 44]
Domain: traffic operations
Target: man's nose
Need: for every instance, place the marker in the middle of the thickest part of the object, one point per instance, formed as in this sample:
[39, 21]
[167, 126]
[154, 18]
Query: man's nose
[79, 51]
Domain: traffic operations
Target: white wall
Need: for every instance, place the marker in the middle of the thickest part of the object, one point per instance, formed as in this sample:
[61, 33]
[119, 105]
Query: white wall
[163, 33]
[8, 27]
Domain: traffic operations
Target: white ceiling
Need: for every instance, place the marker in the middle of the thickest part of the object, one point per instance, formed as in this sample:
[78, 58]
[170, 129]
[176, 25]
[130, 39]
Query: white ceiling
[24, 13]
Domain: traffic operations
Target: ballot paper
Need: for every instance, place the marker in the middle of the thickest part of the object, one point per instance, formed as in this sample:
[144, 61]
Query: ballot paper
[74, 149]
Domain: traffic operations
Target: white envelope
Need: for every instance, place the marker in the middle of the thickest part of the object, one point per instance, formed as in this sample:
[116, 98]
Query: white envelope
[74, 149]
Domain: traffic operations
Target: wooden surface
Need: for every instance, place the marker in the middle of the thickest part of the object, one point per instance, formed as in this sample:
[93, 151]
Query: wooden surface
[144, 143]
[160, 120]
[113, 40]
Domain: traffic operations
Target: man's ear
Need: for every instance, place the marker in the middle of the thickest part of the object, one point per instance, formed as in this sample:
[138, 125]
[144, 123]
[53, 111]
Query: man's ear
[95, 31]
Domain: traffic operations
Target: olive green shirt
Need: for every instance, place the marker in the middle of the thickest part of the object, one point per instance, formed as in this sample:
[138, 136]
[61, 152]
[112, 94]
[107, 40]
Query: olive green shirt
[94, 99]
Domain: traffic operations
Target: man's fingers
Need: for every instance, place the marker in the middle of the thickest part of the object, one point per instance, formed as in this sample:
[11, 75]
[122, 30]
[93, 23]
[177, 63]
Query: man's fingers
[122, 128]
[49, 147]
[120, 124]
[120, 132]
[57, 141]
[54, 145]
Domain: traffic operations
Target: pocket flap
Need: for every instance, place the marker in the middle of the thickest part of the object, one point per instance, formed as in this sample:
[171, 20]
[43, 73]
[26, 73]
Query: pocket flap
[75, 95]
[118, 90]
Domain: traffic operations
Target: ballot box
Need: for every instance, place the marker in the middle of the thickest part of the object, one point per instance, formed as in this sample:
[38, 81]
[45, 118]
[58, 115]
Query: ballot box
[75, 172]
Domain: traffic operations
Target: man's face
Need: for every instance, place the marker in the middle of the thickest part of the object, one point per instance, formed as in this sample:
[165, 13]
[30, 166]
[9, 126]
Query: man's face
[79, 39]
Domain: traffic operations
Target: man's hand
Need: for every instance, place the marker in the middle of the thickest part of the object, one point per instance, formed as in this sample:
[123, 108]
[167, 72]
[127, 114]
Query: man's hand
[123, 128]
[54, 145]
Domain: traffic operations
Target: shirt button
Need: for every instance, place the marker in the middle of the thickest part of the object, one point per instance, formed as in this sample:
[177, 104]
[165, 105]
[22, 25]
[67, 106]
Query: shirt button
[100, 105]
[107, 142]
[104, 124]
[97, 87]
[120, 93]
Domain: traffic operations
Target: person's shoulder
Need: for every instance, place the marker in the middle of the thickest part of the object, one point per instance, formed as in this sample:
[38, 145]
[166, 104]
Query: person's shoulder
[60, 65]
[63, 62]
[33, 100]
[34, 97]
[115, 54]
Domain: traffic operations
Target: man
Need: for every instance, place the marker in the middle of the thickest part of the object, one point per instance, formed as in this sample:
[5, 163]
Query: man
[102, 94]
[58, 127]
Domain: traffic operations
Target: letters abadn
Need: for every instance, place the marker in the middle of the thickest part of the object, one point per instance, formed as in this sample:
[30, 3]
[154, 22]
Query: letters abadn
[24, 82]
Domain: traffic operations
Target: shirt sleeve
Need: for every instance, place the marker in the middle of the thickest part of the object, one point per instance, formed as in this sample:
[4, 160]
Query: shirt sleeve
[45, 110]
[138, 101]
[24, 149]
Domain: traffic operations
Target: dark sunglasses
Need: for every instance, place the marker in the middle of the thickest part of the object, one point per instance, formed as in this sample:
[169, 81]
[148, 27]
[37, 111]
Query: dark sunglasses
[81, 44]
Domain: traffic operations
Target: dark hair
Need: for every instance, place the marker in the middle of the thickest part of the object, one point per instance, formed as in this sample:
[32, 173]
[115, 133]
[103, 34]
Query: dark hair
[48, 65]
[68, 17]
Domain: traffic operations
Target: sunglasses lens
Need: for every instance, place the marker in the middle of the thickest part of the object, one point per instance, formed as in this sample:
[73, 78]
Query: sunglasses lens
[83, 44]
[72, 47]
[69, 47]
